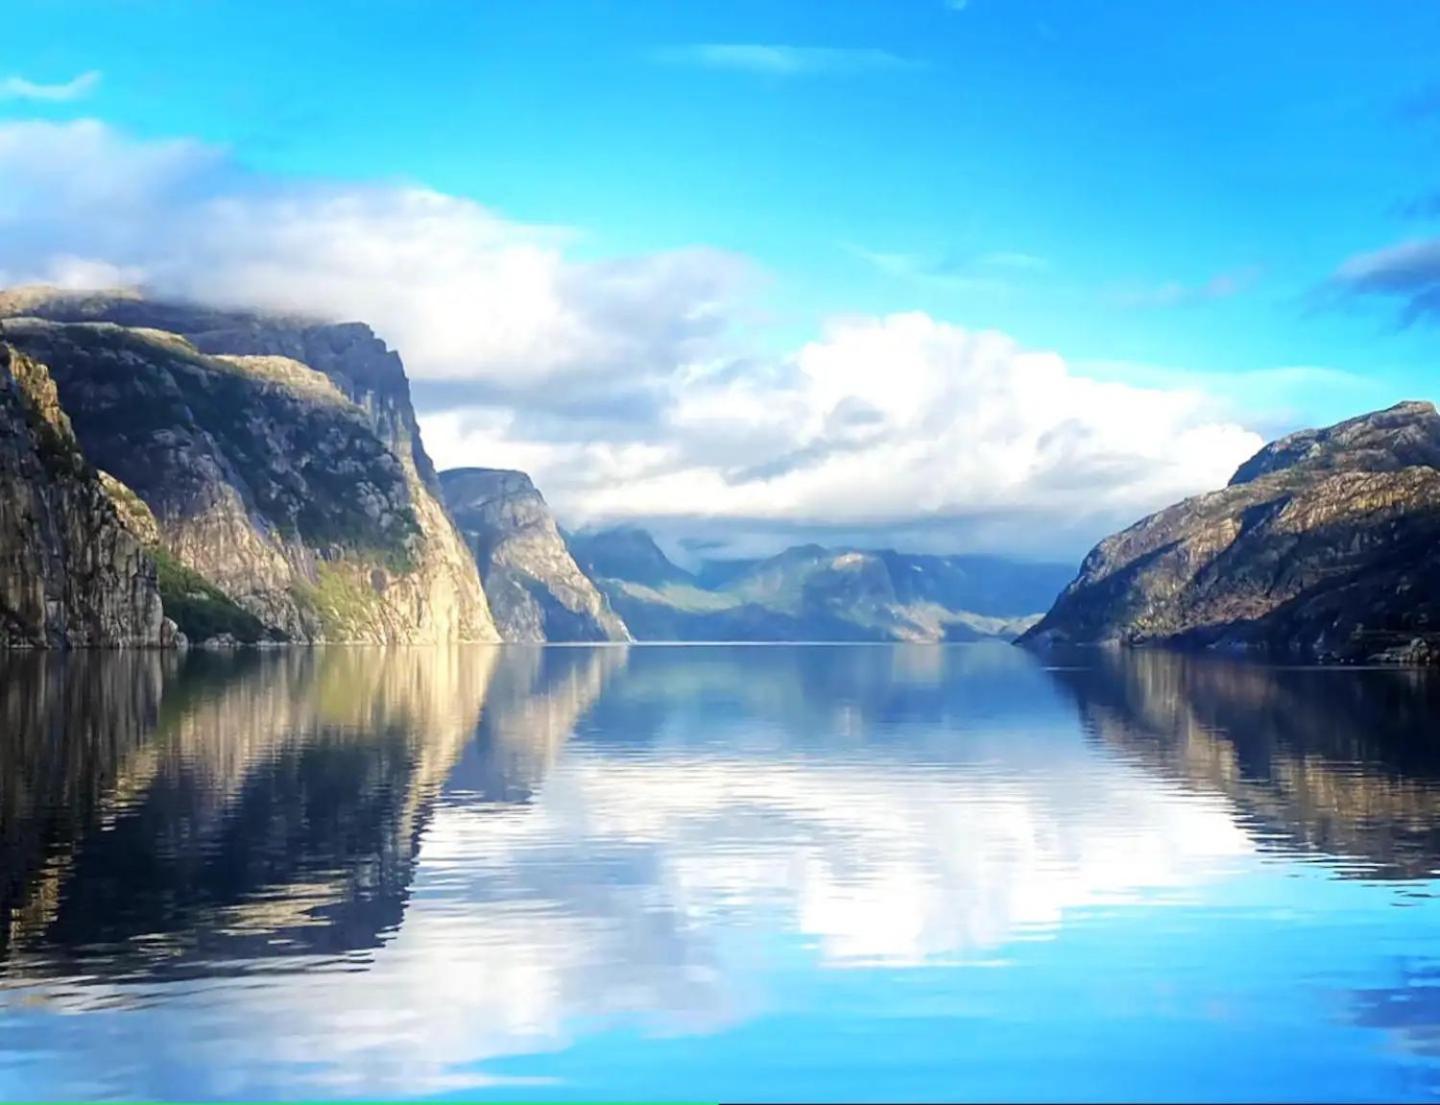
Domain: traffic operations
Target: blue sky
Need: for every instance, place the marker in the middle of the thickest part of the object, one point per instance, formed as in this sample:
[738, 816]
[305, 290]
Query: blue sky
[1151, 190]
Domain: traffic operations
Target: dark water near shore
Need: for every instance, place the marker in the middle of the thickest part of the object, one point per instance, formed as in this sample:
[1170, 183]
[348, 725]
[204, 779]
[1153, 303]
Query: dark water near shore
[717, 873]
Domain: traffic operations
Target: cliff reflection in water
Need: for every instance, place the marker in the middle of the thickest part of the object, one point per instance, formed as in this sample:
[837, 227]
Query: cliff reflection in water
[170, 817]
[1342, 762]
[167, 816]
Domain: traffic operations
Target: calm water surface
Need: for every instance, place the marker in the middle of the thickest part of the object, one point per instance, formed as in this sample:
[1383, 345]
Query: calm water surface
[716, 873]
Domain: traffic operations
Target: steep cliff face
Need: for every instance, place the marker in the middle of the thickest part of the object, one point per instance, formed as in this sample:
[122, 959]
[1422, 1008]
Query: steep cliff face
[429, 592]
[270, 488]
[70, 573]
[536, 590]
[1323, 546]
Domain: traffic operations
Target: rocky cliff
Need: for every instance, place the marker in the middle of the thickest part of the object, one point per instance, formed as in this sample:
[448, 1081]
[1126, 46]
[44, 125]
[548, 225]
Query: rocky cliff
[536, 590]
[288, 505]
[71, 575]
[1322, 547]
[281, 458]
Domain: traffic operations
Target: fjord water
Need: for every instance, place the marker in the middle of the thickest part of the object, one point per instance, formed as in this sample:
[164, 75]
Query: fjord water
[723, 873]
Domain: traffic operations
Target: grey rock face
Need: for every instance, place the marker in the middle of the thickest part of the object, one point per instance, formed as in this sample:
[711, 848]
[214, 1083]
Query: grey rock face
[275, 490]
[70, 573]
[1323, 546]
[536, 590]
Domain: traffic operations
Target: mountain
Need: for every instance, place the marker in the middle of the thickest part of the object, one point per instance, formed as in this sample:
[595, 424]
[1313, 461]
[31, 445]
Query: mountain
[536, 590]
[628, 553]
[71, 575]
[813, 593]
[985, 585]
[283, 499]
[1321, 547]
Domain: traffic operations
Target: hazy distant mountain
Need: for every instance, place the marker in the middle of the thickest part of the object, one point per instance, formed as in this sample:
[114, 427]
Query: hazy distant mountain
[814, 593]
[1322, 546]
[627, 553]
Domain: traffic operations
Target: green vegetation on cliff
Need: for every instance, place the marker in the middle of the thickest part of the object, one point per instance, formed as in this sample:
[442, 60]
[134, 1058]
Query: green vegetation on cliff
[200, 609]
[340, 604]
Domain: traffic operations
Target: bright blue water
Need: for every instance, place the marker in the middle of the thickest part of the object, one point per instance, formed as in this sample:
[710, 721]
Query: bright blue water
[717, 873]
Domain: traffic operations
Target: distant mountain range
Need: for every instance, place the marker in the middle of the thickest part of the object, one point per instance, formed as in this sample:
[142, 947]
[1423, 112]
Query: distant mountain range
[812, 593]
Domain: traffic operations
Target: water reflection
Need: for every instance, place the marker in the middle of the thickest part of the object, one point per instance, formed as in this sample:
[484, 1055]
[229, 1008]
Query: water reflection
[181, 818]
[1344, 762]
[600, 870]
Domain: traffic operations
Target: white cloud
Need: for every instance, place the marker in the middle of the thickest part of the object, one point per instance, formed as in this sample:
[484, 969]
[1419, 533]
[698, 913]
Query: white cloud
[466, 294]
[889, 423]
[1272, 401]
[622, 384]
[18, 88]
[785, 61]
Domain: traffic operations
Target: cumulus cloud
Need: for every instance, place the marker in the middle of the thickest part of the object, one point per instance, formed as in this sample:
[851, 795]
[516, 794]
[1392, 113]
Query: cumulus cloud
[901, 423]
[883, 421]
[784, 61]
[18, 88]
[623, 384]
[1408, 272]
